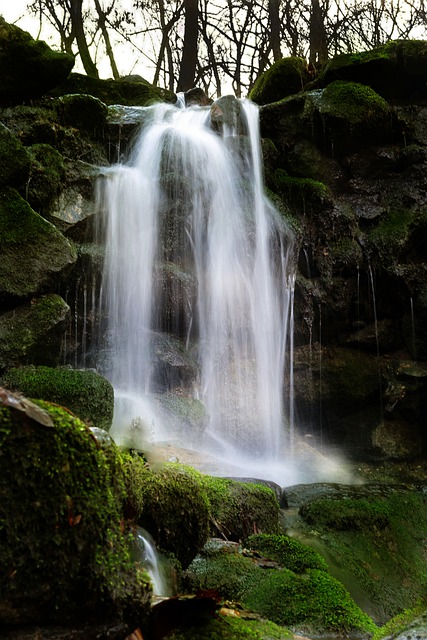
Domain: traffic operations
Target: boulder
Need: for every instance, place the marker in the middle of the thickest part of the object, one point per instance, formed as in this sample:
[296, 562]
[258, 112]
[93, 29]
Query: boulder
[33, 332]
[14, 159]
[123, 92]
[63, 555]
[47, 173]
[28, 68]
[284, 78]
[35, 254]
[87, 394]
[396, 70]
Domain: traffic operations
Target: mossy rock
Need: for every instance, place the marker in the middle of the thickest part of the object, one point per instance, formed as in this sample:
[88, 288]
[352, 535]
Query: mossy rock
[87, 394]
[237, 509]
[304, 195]
[230, 624]
[372, 538]
[14, 159]
[33, 333]
[28, 67]
[63, 555]
[311, 600]
[34, 253]
[84, 112]
[111, 92]
[284, 78]
[47, 173]
[171, 504]
[288, 552]
[395, 70]
[410, 623]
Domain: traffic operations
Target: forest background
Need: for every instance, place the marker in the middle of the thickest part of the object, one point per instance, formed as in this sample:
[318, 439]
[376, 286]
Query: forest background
[221, 46]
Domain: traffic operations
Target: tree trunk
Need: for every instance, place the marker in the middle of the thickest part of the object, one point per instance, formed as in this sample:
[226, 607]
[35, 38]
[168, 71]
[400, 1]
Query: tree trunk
[78, 28]
[187, 69]
[318, 41]
[273, 14]
[105, 35]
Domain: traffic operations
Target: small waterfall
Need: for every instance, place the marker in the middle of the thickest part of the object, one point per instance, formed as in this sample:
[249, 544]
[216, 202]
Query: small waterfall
[144, 551]
[196, 254]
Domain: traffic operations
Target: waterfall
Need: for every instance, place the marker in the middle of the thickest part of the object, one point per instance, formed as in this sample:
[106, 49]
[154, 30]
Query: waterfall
[198, 258]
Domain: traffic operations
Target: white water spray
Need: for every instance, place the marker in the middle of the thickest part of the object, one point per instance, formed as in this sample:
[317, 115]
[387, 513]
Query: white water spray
[191, 203]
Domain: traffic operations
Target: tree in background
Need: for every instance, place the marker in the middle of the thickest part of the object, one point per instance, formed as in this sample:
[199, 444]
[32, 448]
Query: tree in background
[213, 43]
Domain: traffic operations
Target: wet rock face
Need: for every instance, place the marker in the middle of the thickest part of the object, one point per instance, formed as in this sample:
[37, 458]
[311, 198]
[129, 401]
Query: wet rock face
[350, 170]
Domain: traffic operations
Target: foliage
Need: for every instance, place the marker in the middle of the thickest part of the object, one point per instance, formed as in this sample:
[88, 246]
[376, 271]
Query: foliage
[85, 393]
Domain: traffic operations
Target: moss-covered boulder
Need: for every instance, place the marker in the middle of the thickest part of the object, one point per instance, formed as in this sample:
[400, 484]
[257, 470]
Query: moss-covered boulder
[372, 537]
[395, 70]
[238, 509]
[34, 253]
[87, 394]
[171, 504]
[14, 160]
[63, 554]
[306, 598]
[47, 173]
[284, 78]
[33, 333]
[354, 113]
[123, 92]
[82, 111]
[28, 67]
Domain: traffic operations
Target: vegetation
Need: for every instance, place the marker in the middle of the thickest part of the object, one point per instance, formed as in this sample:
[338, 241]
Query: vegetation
[85, 393]
[62, 547]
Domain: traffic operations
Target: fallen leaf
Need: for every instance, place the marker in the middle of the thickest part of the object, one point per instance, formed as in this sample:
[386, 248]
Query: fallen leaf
[19, 403]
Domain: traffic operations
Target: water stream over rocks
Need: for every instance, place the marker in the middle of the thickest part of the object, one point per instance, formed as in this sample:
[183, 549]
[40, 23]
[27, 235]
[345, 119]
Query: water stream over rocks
[198, 290]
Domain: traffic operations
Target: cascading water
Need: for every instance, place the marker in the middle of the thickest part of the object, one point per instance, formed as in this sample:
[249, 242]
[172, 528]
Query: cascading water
[198, 258]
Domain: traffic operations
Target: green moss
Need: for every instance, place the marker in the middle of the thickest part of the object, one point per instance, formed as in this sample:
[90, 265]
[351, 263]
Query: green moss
[171, 504]
[315, 600]
[391, 235]
[303, 194]
[354, 102]
[47, 173]
[290, 553]
[400, 622]
[377, 542]
[224, 570]
[237, 509]
[62, 550]
[284, 78]
[312, 600]
[232, 628]
[85, 393]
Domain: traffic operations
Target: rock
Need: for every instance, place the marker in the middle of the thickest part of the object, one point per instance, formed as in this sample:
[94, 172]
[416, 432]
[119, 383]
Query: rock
[85, 112]
[35, 254]
[87, 394]
[371, 537]
[63, 555]
[33, 333]
[47, 173]
[196, 96]
[170, 502]
[395, 70]
[123, 92]
[226, 116]
[14, 159]
[28, 68]
[284, 78]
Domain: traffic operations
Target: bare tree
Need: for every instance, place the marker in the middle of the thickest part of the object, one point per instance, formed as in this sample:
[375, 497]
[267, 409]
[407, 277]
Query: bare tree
[188, 64]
